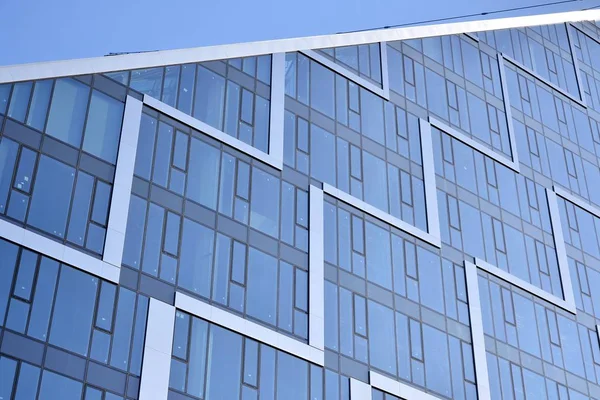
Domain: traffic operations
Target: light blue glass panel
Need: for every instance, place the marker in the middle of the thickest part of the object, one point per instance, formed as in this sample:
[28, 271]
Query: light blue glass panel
[170, 85]
[19, 101]
[103, 127]
[381, 337]
[145, 149]
[196, 256]
[292, 377]
[261, 124]
[262, 286]
[197, 357]
[81, 208]
[8, 157]
[436, 94]
[203, 174]
[8, 369]
[4, 96]
[322, 150]
[27, 385]
[67, 111]
[51, 196]
[379, 261]
[210, 98]
[73, 310]
[264, 207]
[430, 280]
[224, 364]
[375, 181]
[322, 95]
[55, 386]
[371, 114]
[436, 361]
[44, 297]
[148, 81]
[123, 329]
[39, 104]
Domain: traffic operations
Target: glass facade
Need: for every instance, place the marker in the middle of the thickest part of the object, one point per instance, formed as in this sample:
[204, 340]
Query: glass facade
[428, 229]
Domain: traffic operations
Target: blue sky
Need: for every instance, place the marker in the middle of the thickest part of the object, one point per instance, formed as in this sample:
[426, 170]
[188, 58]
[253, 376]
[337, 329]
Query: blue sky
[37, 30]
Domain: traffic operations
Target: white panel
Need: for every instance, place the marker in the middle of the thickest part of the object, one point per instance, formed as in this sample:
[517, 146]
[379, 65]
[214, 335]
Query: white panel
[383, 216]
[477, 335]
[385, 75]
[544, 80]
[508, 113]
[433, 219]
[316, 274]
[321, 59]
[579, 202]
[154, 382]
[528, 287]
[58, 251]
[568, 27]
[213, 132]
[248, 328]
[502, 159]
[561, 251]
[119, 206]
[156, 365]
[277, 108]
[360, 390]
[199, 54]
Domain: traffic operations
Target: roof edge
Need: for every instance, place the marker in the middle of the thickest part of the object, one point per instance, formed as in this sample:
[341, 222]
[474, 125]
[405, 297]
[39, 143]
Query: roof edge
[42, 70]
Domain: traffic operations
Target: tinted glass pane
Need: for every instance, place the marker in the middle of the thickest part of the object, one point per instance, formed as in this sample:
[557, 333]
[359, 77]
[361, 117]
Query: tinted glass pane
[51, 196]
[262, 286]
[57, 386]
[224, 362]
[67, 111]
[210, 98]
[39, 104]
[264, 209]
[103, 127]
[73, 310]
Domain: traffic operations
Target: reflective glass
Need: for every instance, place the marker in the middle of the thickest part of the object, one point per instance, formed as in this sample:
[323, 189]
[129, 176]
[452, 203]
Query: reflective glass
[103, 127]
[73, 311]
[51, 196]
[56, 386]
[67, 111]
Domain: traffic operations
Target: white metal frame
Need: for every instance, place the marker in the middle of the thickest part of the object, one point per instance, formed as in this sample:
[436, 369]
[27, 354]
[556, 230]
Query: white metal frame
[156, 364]
[121, 195]
[545, 81]
[475, 145]
[383, 91]
[248, 328]
[477, 335]
[182, 56]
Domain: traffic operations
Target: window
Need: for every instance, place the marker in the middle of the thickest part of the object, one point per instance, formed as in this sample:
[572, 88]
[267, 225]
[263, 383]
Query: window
[67, 111]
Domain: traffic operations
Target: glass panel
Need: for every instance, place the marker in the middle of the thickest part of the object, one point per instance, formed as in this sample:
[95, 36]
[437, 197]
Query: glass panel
[103, 127]
[224, 364]
[67, 111]
[73, 310]
[39, 104]
[210, 98]
[264, 208]
[51, 196]
[57, 386]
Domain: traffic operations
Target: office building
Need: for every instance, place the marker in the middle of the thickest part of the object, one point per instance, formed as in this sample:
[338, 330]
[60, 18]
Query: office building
[408, 213]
